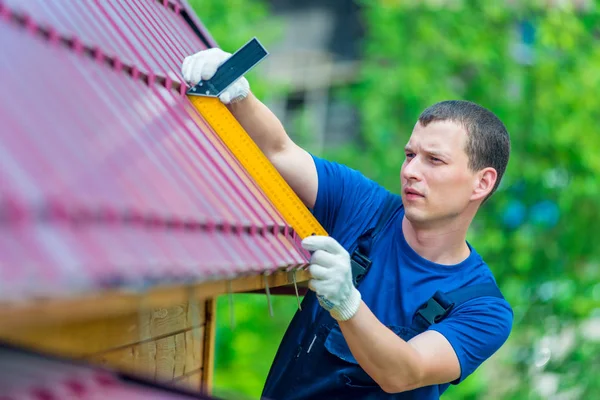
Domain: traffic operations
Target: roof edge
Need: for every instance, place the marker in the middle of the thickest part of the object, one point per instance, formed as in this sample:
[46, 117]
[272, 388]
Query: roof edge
[196, 24]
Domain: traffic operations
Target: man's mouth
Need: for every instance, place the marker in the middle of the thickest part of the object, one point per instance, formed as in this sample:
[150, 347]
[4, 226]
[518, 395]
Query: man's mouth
[411, 193]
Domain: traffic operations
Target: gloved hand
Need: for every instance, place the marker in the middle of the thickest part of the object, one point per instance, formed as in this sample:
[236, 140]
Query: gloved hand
[332, 277]
[204, 64]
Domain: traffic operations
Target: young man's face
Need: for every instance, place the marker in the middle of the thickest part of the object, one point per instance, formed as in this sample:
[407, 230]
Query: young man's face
[437, 183]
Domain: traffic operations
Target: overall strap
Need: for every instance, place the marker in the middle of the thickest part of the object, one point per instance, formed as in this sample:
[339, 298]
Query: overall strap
[360, 260]
[440, 304]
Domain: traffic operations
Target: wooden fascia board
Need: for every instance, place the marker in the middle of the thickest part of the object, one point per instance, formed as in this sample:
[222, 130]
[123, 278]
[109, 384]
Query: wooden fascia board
[113, 303]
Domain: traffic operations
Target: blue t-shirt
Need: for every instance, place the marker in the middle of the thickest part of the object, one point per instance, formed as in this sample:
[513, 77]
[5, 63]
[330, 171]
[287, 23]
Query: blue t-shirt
[397, 284]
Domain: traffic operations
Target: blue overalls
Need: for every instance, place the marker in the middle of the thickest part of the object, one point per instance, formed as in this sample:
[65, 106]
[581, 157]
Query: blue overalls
[314, 361]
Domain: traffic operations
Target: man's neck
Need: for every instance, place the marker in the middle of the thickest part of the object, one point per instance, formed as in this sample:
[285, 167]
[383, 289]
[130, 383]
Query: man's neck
[444, 244]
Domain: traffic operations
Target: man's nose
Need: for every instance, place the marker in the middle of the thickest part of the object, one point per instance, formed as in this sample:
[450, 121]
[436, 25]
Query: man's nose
[411, 170]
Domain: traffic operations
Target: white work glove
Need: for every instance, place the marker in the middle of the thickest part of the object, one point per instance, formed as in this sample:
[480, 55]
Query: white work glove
[204, 64]
[332, 277]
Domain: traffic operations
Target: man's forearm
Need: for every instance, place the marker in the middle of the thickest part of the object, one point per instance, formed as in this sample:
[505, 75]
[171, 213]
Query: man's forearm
[393, 363]
[261, 124]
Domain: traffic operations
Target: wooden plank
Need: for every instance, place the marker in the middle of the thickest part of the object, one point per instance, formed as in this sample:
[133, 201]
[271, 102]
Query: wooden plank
[76, 339]
[210, 318]
[164, 359]
[176, 355]
[191, 381]
[83, 338]
[194, 349]
[112, 304]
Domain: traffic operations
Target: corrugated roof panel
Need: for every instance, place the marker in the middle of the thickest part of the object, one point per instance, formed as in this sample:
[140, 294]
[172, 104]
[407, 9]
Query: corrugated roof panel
[33, 270]
[133, 30]
[47, 119]
[265, 205]
[177, 29]
[194, 142]
[111, 180]
[91, 29]
[286, 244]
[145, 12]
[84, 132]
[134, 144]
[109, 15]
[146, 35]
[81, 20]
[39, 11]
[161, 159]
[14, 251]
[16, 172]
[93, 246]
[61, 266]
[197, 162]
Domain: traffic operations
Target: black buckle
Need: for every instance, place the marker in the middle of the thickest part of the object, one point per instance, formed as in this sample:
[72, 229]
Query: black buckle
[360, 265]
[434, 311]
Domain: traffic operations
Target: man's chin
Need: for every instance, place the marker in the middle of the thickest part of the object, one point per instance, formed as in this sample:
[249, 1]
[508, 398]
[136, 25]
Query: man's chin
[414, 216]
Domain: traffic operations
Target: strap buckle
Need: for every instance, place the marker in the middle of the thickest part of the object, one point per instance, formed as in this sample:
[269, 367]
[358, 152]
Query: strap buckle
[436, 308]
[360, 265]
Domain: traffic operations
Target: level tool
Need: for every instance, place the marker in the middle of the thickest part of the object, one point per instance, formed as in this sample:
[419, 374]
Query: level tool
[204, 97]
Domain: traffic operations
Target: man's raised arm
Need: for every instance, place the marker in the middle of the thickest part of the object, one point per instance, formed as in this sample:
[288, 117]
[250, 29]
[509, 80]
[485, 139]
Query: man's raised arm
[293, 163]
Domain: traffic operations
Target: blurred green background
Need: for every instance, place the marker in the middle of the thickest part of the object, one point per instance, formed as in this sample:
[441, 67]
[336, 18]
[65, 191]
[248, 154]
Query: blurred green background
[537, 66]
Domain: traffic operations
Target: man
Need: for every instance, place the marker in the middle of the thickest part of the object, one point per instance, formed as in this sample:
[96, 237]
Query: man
[370, 341]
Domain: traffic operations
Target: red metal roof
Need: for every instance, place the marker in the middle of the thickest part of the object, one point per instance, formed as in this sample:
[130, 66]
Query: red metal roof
[108, 176]
[28, 376]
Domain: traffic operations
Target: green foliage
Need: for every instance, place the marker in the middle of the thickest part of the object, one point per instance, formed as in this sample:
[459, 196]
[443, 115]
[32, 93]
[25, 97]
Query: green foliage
[247, 339]
[234, 22]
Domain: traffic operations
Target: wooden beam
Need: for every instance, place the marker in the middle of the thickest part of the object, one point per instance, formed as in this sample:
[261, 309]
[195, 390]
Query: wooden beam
[208, 361]
[118, 303]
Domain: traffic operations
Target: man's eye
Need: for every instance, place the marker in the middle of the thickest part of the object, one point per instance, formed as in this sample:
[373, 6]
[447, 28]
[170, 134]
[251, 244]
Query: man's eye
[410, 155]
[436, 160]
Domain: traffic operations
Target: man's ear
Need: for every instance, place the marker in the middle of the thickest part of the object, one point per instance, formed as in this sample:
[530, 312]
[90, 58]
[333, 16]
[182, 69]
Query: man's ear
[484, 182]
